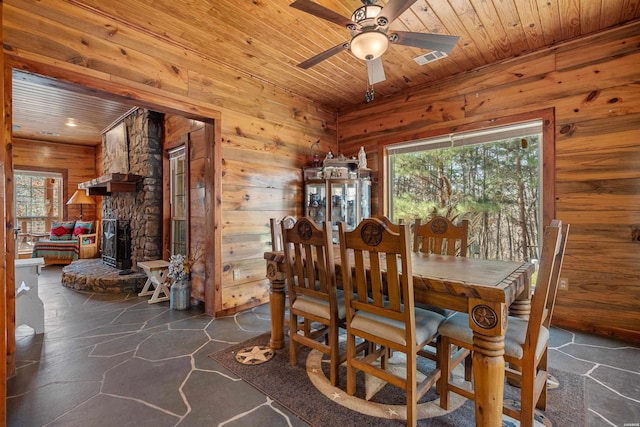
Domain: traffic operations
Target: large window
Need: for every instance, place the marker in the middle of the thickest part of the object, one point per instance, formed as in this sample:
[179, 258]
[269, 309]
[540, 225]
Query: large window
[490, 177]
[178, 201]
[38, 203]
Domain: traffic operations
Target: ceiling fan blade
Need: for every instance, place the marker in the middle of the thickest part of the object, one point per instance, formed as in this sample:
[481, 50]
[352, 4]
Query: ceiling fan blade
[375, 71]
[323, 55]
[322, 12]
[394, 8]
[440, 42]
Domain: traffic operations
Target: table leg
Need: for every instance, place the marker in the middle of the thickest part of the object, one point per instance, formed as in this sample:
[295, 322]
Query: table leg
[521, 307]
[489, 322]
[277, 299]
[488, 376]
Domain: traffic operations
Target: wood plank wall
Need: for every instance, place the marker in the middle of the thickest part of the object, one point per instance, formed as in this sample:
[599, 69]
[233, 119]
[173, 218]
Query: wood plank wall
[593, 85]
[77, 161]
[266, 132]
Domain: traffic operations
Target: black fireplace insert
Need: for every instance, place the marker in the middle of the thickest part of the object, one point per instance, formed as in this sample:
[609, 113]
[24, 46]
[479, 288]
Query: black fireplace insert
[116, 243]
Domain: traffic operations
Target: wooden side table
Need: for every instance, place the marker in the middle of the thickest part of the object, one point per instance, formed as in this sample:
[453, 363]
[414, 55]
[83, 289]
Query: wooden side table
[156, 272]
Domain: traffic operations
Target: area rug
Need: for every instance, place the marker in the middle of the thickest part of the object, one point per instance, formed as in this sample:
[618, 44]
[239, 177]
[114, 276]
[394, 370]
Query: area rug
[305, 390]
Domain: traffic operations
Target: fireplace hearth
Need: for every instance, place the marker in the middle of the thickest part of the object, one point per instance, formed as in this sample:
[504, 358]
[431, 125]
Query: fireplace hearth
[116, 243]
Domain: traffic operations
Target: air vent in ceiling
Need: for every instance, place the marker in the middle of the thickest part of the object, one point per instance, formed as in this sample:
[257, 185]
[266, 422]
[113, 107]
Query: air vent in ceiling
[47, 133]
[434, 55]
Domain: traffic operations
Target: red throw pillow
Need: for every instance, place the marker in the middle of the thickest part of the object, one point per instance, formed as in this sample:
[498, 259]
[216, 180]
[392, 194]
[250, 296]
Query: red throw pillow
[61, 230]
[82, 228]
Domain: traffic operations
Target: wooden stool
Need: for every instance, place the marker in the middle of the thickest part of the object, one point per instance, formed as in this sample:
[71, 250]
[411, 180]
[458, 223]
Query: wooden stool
[156, 272]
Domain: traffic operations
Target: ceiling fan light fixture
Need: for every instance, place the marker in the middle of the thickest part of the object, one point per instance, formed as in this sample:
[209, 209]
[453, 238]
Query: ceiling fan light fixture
[369, 45]
[366, 12]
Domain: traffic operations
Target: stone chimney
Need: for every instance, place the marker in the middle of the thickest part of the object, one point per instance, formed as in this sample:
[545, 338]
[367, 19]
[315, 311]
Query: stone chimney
[143, 208]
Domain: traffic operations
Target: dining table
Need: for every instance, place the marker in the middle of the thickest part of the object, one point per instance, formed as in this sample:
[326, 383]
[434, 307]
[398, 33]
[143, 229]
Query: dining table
[488, 290]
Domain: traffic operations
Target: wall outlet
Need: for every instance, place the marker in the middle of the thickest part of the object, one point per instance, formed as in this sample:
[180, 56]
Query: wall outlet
[564, 284]
[236, 274]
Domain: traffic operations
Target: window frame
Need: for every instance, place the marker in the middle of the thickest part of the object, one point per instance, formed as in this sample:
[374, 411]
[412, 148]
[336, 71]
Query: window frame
[51, 172]
[176, 153]
[548, 143]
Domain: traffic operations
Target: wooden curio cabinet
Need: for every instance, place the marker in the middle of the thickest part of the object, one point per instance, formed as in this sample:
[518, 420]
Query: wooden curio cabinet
[340, 191]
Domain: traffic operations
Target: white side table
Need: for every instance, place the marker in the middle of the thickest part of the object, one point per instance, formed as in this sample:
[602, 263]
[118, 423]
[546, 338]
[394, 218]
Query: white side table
[156, 272]
[29, 306]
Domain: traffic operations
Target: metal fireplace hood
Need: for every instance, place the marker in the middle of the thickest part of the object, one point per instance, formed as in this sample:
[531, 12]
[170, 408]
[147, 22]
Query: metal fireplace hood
[112, 183]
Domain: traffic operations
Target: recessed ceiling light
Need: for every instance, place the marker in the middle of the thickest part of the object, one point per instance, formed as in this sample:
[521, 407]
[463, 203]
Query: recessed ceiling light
[71, 123]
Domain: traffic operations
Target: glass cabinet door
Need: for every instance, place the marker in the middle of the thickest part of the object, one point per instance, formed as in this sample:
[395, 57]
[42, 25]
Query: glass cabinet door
[344, 198]
[316, 202]
[344, 206]
[365, 198]
[336, 198]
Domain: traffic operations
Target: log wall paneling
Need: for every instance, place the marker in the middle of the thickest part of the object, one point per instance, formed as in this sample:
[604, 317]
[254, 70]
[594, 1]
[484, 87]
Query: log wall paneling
[592, 85]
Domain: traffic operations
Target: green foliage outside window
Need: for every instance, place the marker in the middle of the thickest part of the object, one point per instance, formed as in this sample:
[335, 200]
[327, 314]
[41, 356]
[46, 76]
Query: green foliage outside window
[37, 200]
[496, 186]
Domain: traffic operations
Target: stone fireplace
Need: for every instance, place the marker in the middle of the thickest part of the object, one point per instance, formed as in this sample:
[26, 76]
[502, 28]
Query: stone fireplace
[140, 209]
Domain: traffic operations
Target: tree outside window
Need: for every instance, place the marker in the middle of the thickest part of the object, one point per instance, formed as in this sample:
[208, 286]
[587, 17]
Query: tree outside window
[494, 184]
[38, 203]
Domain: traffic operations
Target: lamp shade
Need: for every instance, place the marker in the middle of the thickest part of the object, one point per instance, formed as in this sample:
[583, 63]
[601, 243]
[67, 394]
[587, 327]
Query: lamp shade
[80, 198]
[369, 45]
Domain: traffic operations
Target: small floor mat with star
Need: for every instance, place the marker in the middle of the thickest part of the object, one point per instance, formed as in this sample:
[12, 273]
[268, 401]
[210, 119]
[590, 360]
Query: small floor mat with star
[254, 354]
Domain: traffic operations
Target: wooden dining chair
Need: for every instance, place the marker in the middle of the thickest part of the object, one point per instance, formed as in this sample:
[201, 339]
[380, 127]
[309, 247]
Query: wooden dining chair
[276, 231]
[381, 264]
[390, 224]
[526, 341]
[441, 236]
[313, 296]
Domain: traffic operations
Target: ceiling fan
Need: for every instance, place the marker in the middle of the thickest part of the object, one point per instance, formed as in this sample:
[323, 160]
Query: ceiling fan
[370, 34]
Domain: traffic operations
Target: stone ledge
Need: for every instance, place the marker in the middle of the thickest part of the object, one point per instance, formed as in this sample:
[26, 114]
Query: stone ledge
[92, 275]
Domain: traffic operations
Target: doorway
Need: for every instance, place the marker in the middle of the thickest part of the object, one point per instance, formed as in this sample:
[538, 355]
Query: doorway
[164, 103]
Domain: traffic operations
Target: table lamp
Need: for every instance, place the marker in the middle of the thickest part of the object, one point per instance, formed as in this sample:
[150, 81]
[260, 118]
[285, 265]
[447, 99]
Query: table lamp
[80, 198]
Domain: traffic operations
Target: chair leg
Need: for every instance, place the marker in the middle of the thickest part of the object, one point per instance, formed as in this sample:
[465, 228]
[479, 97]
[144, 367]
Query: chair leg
[527, 403]
[351, 371]
[542, 399]
[445, 369]
[468, 367]
[384, 360]
[293, 344]
[412, 402]
[334, 353]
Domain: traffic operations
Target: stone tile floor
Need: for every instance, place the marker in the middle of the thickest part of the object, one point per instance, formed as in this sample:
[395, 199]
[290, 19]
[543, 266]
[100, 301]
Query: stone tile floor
[115, 360]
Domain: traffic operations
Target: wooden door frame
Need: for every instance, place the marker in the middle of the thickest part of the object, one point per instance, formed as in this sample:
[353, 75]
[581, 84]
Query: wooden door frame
[71, 77]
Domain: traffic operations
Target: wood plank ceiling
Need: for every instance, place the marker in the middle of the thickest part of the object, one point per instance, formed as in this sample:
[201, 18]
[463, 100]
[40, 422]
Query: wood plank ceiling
[46, 110]
[266, 39]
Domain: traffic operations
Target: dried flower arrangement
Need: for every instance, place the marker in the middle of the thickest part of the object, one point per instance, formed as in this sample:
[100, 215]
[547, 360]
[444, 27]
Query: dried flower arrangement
[180, 266]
